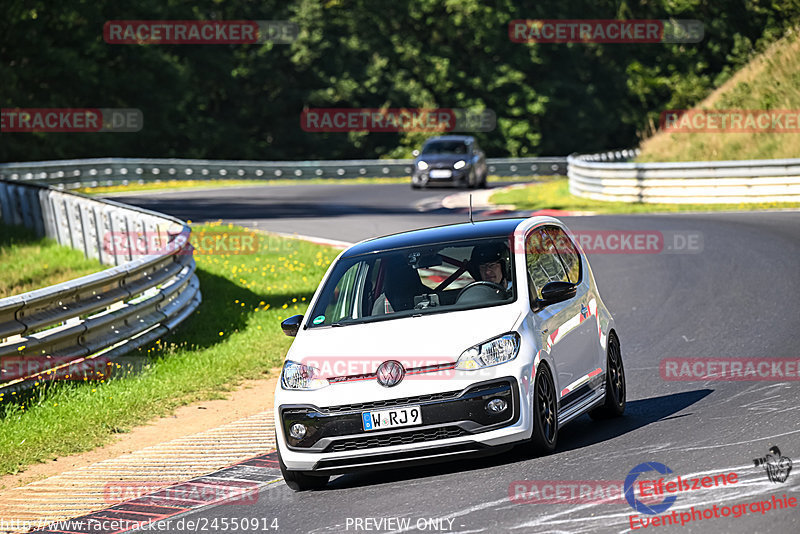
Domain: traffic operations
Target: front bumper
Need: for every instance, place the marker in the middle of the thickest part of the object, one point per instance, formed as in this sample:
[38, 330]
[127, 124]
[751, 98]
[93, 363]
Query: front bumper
[423, 177]
[453, 423]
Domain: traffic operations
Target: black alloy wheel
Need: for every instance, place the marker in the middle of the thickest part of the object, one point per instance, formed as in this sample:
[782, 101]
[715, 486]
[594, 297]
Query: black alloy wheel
[545, 412]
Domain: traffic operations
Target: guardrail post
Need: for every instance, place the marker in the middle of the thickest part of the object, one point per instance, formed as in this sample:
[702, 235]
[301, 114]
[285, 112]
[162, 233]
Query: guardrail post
[5, 203]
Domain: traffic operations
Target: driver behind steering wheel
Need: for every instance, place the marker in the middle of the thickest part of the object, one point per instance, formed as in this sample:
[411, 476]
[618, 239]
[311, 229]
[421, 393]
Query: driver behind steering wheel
[490, 263]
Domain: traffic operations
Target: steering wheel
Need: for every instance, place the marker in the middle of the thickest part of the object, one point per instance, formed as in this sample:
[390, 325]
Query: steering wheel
[492, 285]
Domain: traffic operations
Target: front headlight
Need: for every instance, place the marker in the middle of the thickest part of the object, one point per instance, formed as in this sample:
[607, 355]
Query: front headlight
[299, 376]
[422, 165]
[493, 352]
[459, 164]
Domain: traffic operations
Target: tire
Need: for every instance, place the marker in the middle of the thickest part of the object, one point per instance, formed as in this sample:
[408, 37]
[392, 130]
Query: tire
[545, 412]
[300, 481]
[472, 181]
[614, 405]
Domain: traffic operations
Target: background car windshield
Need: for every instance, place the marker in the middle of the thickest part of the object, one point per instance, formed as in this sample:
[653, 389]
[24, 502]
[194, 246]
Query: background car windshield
[428, 279]
[445, 147]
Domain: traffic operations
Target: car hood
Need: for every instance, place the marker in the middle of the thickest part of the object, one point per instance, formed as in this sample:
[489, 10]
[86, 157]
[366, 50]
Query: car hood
[415, 341]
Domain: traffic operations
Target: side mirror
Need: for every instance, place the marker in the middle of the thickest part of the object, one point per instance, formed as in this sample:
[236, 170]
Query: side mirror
[415, 153]
[291, 325]
[554, 292]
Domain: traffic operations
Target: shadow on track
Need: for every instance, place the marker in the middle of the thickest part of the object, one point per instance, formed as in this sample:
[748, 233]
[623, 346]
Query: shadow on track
[225, 209]
[578, 434]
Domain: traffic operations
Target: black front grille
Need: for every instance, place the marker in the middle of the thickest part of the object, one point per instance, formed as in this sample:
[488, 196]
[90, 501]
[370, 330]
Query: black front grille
[402, 438]
[390, 403]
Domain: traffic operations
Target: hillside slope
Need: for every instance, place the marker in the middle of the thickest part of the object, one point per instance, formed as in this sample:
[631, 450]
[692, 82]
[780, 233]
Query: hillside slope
[771, 81]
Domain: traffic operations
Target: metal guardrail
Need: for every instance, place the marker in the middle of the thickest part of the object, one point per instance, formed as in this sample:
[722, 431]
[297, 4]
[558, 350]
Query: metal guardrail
[611, 177]
[73, 174]
[96, 318]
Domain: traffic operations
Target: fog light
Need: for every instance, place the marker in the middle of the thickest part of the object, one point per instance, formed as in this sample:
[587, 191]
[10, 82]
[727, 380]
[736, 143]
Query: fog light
[496, 405]
[297, 431]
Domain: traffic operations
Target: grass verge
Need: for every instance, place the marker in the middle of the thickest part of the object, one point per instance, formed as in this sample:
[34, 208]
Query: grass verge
[29, 262]
[234, 335]
[556, 195]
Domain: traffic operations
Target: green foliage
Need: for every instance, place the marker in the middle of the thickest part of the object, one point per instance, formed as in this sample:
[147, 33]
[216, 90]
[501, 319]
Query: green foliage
[245, 101]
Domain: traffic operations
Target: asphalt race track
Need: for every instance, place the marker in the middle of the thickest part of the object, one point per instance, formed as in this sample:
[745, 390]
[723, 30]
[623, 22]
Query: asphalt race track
[737, 297]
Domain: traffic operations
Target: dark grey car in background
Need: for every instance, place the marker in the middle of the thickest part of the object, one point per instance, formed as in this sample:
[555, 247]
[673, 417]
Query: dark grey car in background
[449, 159]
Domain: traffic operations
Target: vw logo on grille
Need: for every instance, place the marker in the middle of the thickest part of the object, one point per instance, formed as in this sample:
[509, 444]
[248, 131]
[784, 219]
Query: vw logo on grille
[390, 373]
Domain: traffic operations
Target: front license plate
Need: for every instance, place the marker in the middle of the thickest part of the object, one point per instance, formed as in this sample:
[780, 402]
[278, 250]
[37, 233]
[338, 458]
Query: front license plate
[439, 173]
[408, 416]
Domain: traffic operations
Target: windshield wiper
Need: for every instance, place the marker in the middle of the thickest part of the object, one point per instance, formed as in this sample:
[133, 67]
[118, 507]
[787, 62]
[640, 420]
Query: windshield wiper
[342, 324]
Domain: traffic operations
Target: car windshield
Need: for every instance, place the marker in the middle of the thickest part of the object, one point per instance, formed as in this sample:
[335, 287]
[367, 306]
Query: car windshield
[444, 147]
[431, 278]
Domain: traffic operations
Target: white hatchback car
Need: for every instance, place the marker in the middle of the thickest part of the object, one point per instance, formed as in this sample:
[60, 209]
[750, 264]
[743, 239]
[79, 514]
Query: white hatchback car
[437, 343]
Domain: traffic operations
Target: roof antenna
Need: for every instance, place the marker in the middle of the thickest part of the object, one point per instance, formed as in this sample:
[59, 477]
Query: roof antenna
[470, 209]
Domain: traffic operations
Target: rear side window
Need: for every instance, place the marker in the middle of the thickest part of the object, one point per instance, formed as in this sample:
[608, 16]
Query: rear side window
[543, 262]
[567, 252]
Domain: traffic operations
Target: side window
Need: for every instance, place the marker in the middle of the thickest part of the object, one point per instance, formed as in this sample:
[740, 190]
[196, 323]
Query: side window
[542, 260]
[341, 305]
[567, 252]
